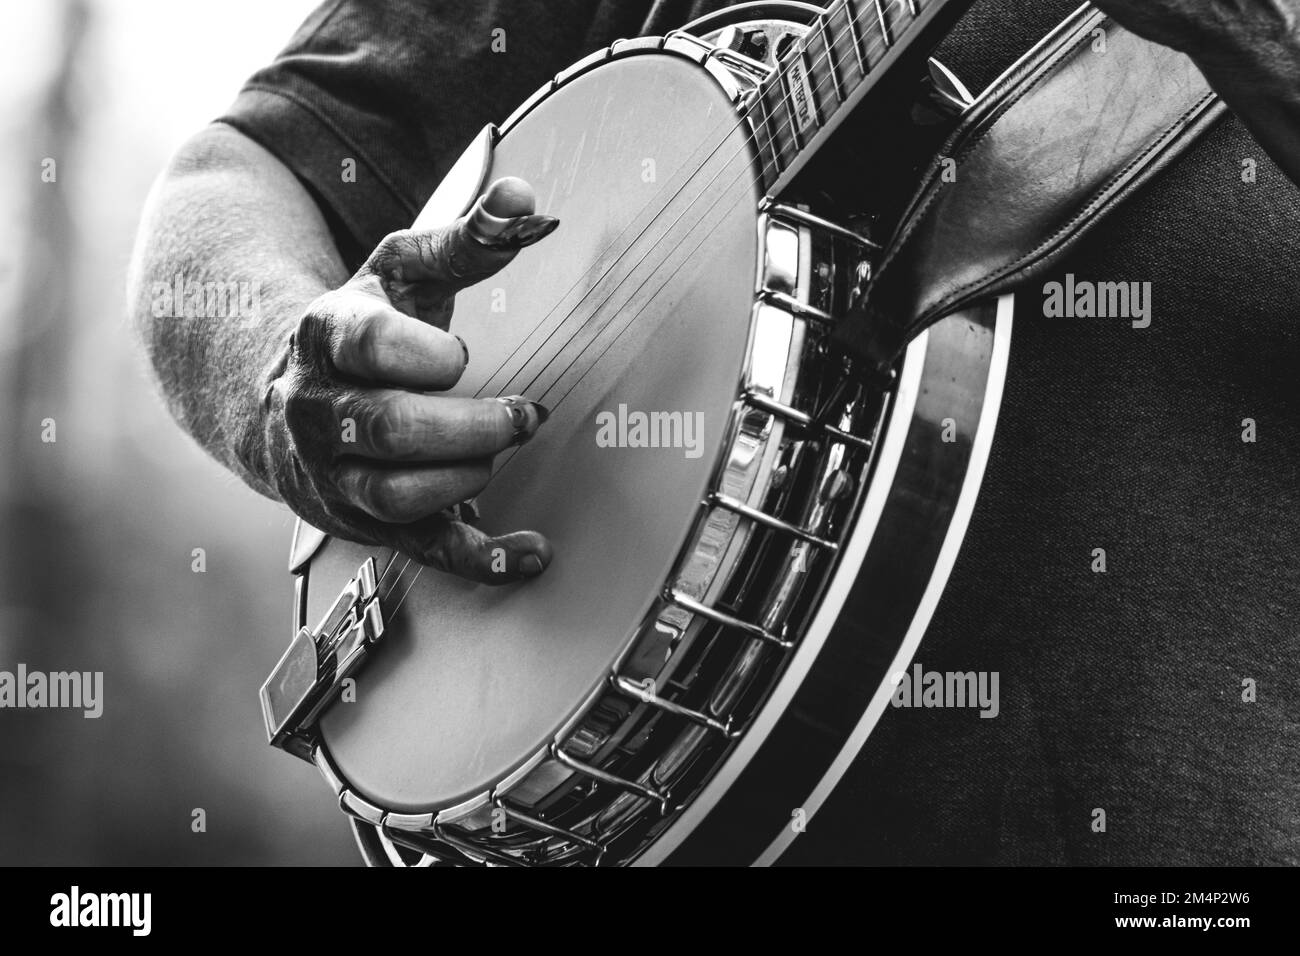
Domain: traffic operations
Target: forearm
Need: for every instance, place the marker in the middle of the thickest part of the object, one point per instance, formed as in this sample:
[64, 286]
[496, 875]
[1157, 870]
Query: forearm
[226, 216]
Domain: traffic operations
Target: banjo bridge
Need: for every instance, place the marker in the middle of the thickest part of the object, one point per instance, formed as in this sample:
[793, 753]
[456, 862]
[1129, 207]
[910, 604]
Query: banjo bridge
[311, 674]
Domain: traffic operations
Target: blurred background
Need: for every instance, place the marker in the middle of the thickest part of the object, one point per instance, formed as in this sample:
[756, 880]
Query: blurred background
[99, 526]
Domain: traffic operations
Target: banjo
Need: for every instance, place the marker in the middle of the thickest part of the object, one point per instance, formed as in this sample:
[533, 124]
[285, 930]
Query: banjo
[751, 533]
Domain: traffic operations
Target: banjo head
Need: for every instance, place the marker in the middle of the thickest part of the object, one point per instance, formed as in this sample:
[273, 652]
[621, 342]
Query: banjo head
[717, 632]
[639, 303]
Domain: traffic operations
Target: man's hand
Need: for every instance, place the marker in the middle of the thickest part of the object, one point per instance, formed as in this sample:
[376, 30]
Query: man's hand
[356, 443]
[1249, 51]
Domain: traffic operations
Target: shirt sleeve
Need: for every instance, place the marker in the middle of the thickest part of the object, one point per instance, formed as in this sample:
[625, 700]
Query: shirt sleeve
[372, 102]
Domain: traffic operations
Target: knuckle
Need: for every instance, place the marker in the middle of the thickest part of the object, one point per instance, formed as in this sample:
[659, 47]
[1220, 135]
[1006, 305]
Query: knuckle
[378, 493]
[386, 425]
[299, 408]
[364, 339]
[390, 249]
[313, 326]
[434, 552]
[337, 508]
[472, 259]
[434, 250]
[314, 337]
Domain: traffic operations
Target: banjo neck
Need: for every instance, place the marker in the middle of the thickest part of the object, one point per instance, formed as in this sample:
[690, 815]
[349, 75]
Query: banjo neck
[824, 78]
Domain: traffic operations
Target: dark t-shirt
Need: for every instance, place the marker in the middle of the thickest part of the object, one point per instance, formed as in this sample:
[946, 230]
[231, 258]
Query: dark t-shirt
[1120, 690]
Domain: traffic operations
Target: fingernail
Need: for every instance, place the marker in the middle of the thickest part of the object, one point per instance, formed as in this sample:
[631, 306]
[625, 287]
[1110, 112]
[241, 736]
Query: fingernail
[526, 230]
[518, 417]
[464, 348]
[508, 234]
[531, 566]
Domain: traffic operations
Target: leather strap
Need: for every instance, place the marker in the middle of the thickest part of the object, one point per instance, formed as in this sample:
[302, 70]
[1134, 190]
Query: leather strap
[1069, 132]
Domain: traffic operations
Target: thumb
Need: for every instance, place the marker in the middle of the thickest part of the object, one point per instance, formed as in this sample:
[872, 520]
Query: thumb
[480, 243]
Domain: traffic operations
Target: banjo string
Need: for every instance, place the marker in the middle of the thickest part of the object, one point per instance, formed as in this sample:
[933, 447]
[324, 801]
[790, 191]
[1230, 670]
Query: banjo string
[510, 456]
[586, 322]
[635, 315]
[751, 138]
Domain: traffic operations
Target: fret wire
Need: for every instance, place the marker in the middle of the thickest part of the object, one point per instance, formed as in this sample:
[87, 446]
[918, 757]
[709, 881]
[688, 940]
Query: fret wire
[884, 25]
[860, 48]
[855, 37]
[830, 58]
[767, 128]
[781, 114]
[760, 90]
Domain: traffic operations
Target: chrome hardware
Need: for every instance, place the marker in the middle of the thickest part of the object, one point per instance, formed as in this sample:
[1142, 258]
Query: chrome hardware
[586, 797]
[604, 776]
[753, 72]
[737, 49]
[750, 43]
[475, 849]
[550, 829]
[687, 603]
[862, 275]
[731, 38]
[768, 521]
[557, 815]
[583, 65]
[761, 39]
[326, 768]
[427, 845]
[462, 810]
[689, 46]
[796, 417]
[311, 672]
[793, 214]
[362, 809]
[641, 693]
[409, 821]
[551, 795]
[799, 310]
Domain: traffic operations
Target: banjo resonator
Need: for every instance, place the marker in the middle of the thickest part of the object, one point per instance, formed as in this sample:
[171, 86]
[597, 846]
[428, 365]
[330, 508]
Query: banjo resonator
[716, 635]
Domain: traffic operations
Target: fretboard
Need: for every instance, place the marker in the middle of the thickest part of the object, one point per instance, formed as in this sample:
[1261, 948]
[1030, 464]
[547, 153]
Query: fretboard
[826, 75]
